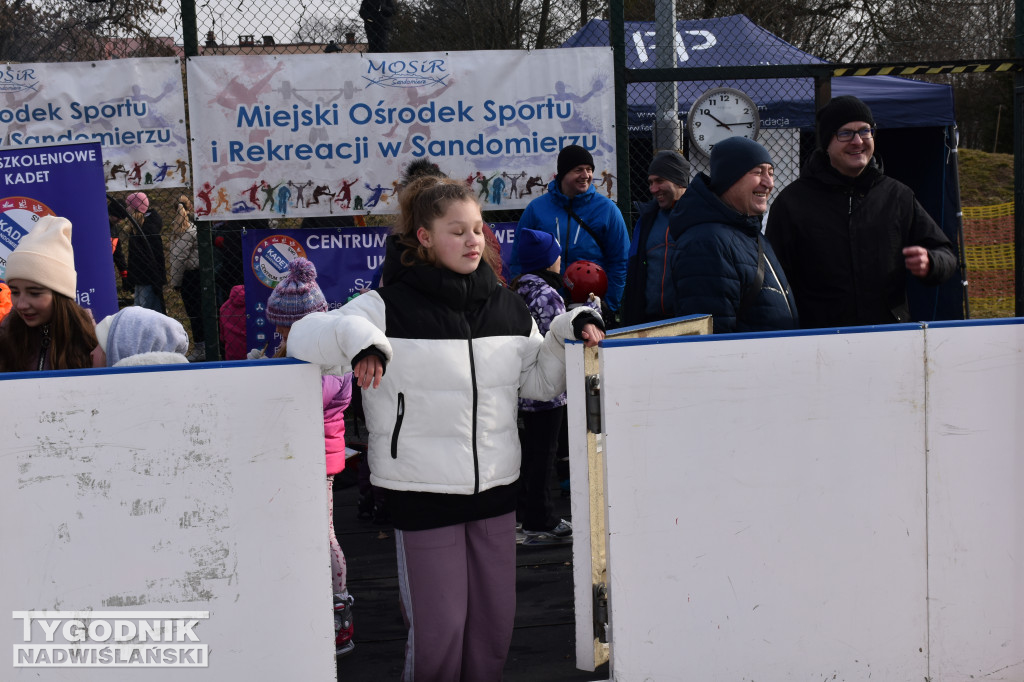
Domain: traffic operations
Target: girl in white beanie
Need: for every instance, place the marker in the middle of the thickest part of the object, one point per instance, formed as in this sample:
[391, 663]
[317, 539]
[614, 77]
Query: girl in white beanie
[46, 329]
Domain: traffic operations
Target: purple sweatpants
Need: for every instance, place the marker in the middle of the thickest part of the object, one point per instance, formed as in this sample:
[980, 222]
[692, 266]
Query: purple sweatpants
[458, 591]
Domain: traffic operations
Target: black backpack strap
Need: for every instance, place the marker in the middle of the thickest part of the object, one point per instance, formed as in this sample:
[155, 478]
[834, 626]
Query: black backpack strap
[572, 214]
[755, 286]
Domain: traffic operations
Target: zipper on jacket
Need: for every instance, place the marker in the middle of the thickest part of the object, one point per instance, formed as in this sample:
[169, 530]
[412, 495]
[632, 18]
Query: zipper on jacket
[398, 425]
[44, 345]
[785, 294]
[472, 377]
[664, 271]
[568, 233]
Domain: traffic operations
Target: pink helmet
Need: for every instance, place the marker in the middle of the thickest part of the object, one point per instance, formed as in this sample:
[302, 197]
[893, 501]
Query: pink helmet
[583, 278]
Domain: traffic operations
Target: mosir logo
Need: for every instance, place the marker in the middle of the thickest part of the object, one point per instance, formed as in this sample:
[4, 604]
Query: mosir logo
[110, 639]
[406, 73]
[17, 79]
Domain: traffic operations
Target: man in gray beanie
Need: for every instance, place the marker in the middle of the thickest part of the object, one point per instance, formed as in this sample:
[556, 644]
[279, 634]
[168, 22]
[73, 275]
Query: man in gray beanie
[847, 234]
[720, 263]
[648, 295]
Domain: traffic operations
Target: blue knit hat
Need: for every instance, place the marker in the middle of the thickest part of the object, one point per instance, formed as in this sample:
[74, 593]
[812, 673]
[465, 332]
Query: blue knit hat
[537, 250]
[296, 296]
[732, 158]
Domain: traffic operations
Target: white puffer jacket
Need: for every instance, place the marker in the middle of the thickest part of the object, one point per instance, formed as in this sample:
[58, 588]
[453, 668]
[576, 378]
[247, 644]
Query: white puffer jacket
[459, 350]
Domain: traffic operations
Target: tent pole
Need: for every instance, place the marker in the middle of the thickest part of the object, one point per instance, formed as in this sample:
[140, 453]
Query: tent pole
[822, 91]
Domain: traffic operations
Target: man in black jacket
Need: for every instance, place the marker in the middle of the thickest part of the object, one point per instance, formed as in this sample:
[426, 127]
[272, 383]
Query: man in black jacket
[846, 234]
[648, 293]
[376, 15]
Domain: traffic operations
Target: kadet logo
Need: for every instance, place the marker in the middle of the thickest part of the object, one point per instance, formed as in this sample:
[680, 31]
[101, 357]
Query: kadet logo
[110, 639]
[271, 257]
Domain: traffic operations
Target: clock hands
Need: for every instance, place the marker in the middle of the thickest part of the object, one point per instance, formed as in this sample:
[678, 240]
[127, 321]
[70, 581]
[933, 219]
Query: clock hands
[721, 124]
[728, 126]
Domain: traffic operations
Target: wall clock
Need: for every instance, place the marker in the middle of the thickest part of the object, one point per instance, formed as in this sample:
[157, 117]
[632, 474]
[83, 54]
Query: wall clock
[720, 113]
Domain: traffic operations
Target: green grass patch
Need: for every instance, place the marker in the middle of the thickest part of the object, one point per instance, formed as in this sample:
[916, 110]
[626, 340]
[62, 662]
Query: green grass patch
[985, 179]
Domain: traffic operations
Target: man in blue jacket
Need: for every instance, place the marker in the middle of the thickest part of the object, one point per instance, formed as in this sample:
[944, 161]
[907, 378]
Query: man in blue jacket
[585, 224]
[649, 295]
[720, 262]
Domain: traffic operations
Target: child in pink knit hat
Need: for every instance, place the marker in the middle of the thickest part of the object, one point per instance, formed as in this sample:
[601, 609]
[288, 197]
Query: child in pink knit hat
[146, 264]
[294, 297]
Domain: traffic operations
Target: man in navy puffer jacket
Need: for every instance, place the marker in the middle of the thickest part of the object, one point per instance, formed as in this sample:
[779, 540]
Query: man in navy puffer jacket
[720, 262]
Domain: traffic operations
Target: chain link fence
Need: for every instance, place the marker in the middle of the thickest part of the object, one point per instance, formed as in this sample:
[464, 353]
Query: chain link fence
[115, 29]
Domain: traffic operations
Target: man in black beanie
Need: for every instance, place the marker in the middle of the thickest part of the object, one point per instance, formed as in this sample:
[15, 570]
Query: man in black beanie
[648, 295]
[587, 225]
[847, 234]
[720, 264]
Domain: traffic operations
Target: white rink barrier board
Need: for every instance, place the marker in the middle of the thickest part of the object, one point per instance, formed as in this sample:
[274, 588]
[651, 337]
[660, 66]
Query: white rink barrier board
[166, 523]
[843, 505]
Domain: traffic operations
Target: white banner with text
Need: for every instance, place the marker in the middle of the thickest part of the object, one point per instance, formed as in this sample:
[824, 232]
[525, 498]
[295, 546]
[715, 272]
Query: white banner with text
[135, 109]
[322, 134]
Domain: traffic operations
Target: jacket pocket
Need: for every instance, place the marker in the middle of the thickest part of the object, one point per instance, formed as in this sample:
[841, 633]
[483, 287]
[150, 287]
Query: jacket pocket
[901, 312]
[398, 425]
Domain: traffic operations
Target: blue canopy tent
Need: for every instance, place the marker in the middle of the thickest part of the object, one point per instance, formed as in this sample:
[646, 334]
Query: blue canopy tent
[916, 120]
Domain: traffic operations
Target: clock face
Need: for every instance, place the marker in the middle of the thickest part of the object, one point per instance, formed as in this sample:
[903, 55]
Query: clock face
[720, 113]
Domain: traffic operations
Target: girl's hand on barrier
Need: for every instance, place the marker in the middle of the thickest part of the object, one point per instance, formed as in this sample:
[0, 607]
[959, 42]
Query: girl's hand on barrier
[591, 335]
[368, 371]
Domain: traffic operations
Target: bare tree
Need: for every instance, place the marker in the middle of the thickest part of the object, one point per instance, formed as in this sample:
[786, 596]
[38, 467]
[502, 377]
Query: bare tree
[320, 28]
[68, 30]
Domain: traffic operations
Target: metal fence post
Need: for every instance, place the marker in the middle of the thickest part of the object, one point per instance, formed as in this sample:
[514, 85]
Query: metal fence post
[1018, 165]
[617, 36]
[668, 133]
[207, 278]
[189, 29]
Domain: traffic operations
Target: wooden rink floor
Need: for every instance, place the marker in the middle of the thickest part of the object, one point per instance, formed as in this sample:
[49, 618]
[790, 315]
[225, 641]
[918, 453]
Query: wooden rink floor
[543, 647]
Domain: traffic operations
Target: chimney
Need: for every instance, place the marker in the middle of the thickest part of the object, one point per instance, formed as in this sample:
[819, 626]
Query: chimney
[246, 40]
[211, 39]
[268, 41]
[350, 38]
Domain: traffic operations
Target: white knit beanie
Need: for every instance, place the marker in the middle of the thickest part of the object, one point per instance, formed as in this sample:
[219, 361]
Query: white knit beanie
[103, 330]
[45, 256]
[135, 330]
